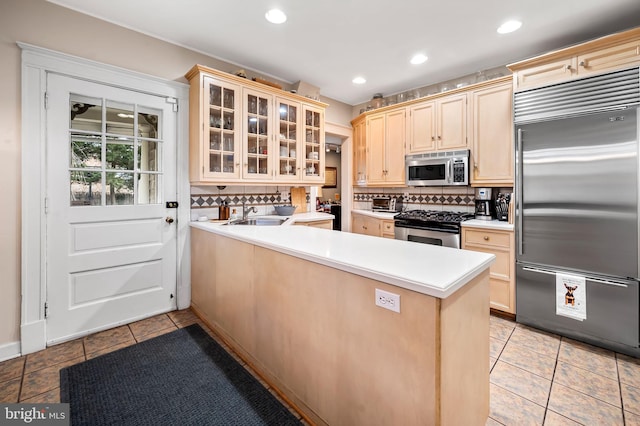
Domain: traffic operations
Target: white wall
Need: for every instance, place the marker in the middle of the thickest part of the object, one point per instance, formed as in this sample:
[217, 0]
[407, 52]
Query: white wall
[47, 25]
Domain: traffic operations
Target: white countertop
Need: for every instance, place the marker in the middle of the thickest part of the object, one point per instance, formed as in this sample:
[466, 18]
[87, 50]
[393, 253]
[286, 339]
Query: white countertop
[432, 270]
[488, 224]
[378, 215]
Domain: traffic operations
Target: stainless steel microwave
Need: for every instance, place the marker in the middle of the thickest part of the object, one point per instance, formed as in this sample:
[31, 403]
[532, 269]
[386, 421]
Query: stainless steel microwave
[438, 168]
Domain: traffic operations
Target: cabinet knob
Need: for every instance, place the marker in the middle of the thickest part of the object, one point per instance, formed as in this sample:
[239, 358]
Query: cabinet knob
[439, 138]
[583, 64]
[433, 138]
[569, 67]
[486, 238]
[364, 227]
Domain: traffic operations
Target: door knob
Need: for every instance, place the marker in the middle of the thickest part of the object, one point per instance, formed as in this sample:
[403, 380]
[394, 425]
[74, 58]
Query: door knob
[168, 219]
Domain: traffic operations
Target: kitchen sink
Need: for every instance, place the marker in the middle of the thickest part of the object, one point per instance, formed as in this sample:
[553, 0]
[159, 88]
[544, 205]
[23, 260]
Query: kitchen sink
[259, 221]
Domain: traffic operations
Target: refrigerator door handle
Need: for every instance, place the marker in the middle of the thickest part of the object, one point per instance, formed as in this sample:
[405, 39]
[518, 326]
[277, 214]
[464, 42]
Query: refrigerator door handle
[595, 280]
[607, 282]
[519, 192]
[538, 270]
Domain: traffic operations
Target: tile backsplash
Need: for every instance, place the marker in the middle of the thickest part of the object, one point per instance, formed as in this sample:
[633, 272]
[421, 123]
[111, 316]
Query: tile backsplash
[206, 200]
[453, 198]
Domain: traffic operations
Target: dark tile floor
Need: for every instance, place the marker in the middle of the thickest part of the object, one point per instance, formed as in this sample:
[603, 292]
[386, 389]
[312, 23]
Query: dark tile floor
[35, 378]
[536, 378]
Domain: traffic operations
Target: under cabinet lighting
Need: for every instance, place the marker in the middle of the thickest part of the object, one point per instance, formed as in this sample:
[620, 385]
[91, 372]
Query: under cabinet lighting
[418, 59]
[509, 27]
[359, 80]
[275, 16]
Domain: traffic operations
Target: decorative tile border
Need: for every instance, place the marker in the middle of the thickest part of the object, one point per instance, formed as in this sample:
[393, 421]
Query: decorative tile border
[208, 201]
[413, 198]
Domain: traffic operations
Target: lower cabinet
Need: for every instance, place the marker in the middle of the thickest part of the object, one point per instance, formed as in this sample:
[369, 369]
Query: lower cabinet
[502, 272]
[325, 224]
[368, 225]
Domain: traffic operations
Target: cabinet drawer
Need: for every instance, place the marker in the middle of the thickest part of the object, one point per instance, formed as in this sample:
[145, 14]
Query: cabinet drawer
[487, 238]
[387, 227]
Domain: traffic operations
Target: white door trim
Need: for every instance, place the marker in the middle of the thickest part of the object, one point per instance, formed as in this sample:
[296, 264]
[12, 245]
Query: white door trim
[36, 63]
[346, 167]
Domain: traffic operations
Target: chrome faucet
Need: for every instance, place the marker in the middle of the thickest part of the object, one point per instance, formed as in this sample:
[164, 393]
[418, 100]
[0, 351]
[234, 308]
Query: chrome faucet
[246, 211]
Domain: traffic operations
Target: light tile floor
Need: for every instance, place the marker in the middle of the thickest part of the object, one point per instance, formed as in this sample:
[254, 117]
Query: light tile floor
[536, 378]
[35, 378]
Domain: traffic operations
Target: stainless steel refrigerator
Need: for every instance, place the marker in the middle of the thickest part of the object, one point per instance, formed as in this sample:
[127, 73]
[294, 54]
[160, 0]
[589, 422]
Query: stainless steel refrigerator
[577, 209]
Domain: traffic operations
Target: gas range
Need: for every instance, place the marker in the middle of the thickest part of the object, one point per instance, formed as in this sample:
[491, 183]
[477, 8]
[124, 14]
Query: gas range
[430, 226]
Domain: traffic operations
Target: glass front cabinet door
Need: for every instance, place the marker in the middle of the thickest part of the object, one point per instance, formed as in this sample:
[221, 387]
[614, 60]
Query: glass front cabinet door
[257, 135]
[313, 134]
[222, 156]
[288, 140]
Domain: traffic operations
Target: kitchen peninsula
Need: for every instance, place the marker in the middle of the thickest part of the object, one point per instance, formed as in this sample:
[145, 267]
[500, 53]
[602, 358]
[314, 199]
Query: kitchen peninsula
[299, 304]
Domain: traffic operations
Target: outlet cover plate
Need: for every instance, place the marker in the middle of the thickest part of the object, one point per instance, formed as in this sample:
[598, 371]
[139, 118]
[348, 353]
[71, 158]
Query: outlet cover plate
[387, 300]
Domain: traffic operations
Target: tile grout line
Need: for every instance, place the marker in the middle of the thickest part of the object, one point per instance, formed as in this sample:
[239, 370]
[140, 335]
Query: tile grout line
[553, 378]
[624, 420]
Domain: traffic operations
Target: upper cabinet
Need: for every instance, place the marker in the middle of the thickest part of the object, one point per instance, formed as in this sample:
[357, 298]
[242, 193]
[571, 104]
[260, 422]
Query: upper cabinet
[313, 143]
[491, 123]
[438, 125]
[360, 151]
[220, 147]
[242, 131]
[385, 139]
[610, 53]
[477, 117]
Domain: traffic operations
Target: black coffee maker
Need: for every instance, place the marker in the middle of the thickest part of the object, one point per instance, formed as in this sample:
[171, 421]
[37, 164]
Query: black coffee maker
[484, 204]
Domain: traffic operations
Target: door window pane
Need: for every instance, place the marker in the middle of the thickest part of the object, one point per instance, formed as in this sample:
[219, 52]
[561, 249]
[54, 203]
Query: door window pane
[119, 188]
[85, 113]
[148, 125]
[148, 156]
[119, 153]
[86, 151]
[148, 189]
[119, 118]
[86, 188]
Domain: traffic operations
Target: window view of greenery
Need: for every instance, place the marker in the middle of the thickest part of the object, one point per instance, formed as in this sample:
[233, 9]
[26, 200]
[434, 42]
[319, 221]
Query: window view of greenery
[88, 181]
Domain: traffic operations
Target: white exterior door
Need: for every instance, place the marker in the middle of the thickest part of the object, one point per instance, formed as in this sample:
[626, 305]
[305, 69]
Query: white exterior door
[110, 236]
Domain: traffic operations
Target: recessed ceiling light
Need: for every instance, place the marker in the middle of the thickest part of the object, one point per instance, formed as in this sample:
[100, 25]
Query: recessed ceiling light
[418, 59]
[359, 80]
[275, 16]
[509, 27]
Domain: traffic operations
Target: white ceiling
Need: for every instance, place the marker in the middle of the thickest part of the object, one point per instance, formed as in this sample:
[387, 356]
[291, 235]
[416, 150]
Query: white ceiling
[328, 42]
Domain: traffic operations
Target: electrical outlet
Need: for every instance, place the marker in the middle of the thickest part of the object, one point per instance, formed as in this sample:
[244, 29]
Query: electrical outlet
[405, 195]
[387, 300]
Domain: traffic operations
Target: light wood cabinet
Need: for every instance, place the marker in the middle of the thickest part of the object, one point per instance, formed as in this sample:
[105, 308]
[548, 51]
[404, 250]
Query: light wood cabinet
[438, 125]
[492, 148]
[360, 152]
[369, 225]
[242, 131]
[385, 138]
[610, 53]
[502, 271]
[422, 128]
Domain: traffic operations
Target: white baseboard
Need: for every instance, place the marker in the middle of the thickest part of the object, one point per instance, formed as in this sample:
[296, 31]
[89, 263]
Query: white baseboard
[9, 350]
[33, 337]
